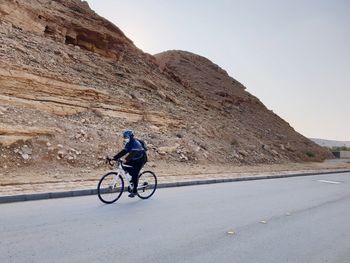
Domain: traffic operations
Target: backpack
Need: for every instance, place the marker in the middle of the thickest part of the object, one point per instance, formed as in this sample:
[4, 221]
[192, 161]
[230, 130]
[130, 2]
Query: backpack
[143, 145]
[145, 148]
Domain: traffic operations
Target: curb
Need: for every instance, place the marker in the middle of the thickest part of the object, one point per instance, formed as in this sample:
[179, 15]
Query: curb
[75, 193]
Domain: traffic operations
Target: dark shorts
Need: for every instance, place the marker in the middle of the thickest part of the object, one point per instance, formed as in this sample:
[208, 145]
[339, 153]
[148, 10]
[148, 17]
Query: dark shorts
[136, 166]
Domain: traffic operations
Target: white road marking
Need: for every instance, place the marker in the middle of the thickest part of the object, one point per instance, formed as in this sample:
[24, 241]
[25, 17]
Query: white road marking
[328, 182]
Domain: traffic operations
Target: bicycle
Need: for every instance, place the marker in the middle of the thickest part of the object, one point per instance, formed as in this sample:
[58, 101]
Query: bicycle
[111, 185]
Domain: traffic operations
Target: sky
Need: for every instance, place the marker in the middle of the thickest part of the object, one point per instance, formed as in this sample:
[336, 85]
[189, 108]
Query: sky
[294, 55]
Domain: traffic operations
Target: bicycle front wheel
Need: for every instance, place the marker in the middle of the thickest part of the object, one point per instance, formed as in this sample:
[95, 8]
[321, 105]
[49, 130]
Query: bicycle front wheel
[147, 184]
[110, 188]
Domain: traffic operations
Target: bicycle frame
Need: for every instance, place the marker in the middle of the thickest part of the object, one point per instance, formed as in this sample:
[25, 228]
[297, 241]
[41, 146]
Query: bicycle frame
[126, 176]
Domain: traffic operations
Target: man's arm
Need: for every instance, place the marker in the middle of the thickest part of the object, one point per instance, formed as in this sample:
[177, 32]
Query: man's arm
[120, 154]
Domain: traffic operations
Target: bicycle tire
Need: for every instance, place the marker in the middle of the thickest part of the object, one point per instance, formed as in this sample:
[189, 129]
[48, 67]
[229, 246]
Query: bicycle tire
[103, 192]
[151, 182]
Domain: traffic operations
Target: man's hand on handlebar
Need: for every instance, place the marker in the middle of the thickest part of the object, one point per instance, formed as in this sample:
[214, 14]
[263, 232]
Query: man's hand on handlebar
[109, 161]
[112, 161]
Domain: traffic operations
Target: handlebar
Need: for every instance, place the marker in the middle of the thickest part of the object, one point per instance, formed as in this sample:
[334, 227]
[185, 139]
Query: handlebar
[111, 161]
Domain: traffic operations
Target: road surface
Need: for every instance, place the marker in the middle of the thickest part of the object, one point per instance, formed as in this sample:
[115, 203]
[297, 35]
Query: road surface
[298, 219]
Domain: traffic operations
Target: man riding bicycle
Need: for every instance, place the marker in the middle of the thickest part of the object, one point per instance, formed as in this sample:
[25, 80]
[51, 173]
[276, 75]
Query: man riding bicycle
[136, 157]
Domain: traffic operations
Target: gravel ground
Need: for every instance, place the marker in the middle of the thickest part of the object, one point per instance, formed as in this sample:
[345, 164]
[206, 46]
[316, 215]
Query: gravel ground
[38, 181]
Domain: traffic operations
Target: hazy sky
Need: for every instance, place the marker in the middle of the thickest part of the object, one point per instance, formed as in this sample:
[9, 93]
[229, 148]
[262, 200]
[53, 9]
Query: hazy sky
[294, 55]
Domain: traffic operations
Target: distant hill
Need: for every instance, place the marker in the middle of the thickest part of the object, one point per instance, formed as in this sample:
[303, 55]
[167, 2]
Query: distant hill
[331, 143]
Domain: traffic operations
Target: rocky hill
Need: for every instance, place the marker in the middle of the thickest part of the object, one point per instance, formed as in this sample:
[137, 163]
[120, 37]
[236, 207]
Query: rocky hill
[70, 81]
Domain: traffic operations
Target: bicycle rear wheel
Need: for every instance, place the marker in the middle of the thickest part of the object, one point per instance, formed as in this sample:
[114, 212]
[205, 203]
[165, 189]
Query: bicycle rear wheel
[110, 188]
[147, 184]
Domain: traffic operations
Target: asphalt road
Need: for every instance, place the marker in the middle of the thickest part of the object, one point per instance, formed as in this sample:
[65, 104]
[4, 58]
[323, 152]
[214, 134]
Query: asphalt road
[298, 219]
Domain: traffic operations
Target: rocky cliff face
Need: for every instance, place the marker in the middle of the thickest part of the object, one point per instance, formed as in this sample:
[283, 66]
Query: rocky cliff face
[70, 81]
[69, 22]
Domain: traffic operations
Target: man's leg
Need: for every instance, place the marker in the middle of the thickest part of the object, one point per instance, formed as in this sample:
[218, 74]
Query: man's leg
[135, 175]
[134, 172]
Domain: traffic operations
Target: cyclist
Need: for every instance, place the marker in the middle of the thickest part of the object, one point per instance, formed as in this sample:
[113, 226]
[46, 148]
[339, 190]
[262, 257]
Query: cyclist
[136, 157]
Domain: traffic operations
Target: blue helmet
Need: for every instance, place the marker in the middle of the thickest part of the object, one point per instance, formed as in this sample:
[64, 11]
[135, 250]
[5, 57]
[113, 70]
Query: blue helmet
[128, 134]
